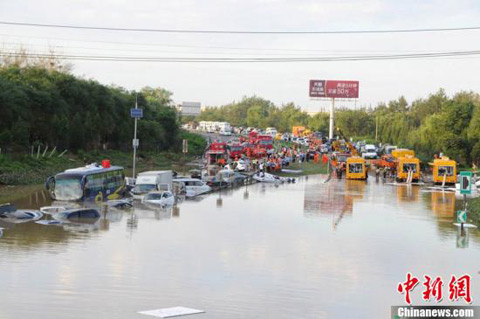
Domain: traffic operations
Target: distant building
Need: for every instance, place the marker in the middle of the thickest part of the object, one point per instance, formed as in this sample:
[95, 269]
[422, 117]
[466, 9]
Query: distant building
[191, 108]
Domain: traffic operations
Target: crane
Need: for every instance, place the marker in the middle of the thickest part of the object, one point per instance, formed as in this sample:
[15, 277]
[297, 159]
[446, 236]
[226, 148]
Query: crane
[352, 148]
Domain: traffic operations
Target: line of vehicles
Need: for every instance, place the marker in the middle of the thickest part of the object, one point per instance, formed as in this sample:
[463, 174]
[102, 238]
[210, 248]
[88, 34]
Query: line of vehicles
[100, 182]
[107, 184]
[400, 164]
[348, 159]
[162, 188]
[104, 182]
[223, 128]
[299, 133]
[96, 182]
[255, 145]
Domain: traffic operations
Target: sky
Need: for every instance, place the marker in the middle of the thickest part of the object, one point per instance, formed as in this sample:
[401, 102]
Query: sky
[221, 83]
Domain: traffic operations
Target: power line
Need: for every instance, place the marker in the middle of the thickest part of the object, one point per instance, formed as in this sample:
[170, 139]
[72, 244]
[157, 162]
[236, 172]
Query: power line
[245, 60]
[63, 26]
[64, 48]
[150, 44]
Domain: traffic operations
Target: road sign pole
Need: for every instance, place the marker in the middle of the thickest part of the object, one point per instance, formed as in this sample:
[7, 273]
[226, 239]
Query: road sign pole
[184, 151]
[135, 139]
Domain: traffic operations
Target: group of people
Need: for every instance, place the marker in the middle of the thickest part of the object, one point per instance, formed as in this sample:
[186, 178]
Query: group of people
[273, 161]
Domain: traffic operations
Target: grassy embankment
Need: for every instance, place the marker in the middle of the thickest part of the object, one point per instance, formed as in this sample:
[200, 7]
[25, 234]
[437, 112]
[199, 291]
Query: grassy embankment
[474, 210]
[24, 173]
[307, 168]
[20, 175]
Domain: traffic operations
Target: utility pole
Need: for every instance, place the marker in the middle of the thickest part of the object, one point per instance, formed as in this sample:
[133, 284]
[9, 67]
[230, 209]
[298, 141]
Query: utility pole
[135, 141]
[376, 128]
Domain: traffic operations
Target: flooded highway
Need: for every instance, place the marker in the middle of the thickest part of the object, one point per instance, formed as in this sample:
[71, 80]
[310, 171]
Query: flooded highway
[303, 250]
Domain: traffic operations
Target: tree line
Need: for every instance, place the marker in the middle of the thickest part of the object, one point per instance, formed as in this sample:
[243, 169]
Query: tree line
[50, 107]
[432, 125]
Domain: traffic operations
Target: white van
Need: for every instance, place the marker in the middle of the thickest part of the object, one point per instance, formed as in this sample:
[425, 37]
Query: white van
[151, 181]
[370, 152]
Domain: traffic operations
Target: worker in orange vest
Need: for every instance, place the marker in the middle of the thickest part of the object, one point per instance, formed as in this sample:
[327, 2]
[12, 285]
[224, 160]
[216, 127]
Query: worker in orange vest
[221, 162]
[334, 161]
[325, 158]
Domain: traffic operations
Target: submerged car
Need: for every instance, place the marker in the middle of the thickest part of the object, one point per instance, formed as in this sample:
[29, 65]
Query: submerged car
[165, 198]
[241, 165]
[9, 214]
[77, 215]
[191, 187]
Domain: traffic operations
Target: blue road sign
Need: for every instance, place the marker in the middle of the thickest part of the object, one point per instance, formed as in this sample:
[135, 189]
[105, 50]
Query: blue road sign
[138, 113]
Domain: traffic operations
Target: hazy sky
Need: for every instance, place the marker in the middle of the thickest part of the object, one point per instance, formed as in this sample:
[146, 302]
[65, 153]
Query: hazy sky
[221, 83]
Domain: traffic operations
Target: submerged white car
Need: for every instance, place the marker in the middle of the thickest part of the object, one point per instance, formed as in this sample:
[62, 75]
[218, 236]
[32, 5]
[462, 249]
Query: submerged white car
[192, 186]
[241, 165]
[165, 198]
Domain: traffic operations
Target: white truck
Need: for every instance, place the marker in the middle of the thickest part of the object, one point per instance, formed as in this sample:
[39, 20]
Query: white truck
[224, 127]
[150, 181]
[271, 131]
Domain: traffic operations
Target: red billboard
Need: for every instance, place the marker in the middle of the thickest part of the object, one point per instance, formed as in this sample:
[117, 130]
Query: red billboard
[334, 89]
[317, 88]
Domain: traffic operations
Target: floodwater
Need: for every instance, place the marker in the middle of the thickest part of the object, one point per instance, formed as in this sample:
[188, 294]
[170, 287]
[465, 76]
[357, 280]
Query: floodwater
[303, 250]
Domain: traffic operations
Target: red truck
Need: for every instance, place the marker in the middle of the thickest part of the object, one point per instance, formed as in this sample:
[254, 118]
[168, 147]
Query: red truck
[217, 153]
[252, 137]
[235, 150]
[265, 142]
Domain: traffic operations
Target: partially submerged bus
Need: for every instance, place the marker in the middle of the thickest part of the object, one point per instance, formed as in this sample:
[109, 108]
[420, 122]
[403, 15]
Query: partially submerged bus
[91, 182]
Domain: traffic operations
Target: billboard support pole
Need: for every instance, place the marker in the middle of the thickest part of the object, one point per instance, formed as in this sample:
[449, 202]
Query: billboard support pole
[332, 118]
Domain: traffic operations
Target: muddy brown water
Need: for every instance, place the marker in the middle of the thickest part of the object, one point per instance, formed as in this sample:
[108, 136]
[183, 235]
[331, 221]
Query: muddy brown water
[303, 250]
